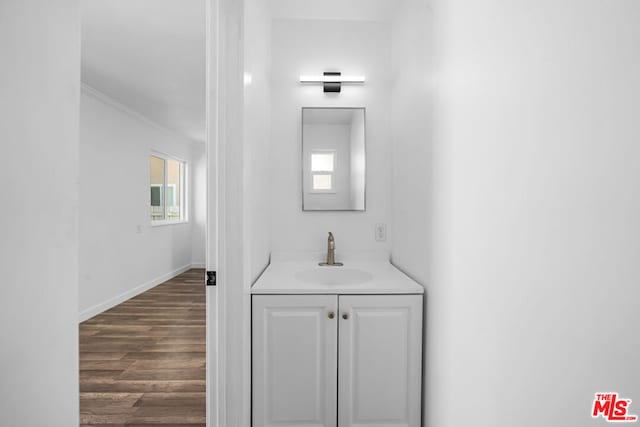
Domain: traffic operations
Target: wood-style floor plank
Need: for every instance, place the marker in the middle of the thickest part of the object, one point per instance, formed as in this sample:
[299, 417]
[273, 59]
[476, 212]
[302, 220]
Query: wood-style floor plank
[142, 363]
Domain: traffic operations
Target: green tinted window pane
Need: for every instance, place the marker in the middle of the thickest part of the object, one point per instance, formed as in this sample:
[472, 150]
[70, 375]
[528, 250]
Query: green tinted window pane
[156, 196]
[171, 196]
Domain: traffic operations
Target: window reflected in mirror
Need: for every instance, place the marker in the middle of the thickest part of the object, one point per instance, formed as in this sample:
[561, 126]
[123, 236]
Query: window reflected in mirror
[333, 159]
[322, 167]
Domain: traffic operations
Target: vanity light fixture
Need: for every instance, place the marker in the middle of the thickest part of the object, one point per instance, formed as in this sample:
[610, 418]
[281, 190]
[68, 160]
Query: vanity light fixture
[332, 81]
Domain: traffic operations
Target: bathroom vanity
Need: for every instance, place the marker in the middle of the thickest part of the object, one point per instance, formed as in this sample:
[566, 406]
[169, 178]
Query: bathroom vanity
[336, 346]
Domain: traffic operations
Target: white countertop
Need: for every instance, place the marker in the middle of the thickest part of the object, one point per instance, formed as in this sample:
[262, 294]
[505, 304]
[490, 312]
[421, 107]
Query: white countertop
[285, 276]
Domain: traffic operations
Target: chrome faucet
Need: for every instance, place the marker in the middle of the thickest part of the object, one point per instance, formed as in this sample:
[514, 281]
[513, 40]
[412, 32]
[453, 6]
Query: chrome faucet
[331, 253]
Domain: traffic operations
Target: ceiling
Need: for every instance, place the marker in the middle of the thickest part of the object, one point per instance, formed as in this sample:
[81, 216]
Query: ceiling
[149, 55]
[352, 10]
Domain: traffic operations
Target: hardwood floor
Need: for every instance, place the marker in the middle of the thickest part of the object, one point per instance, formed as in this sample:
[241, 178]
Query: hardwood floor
[142, 363]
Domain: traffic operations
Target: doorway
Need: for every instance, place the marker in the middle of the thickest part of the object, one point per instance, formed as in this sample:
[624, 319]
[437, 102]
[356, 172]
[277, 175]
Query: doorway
[144, 210]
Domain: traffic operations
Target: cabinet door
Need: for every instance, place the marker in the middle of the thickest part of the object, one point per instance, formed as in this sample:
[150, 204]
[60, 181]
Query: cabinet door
[380, 361]
[294, 360]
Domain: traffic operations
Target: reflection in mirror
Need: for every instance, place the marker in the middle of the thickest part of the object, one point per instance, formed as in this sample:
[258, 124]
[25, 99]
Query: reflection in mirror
[333, 159]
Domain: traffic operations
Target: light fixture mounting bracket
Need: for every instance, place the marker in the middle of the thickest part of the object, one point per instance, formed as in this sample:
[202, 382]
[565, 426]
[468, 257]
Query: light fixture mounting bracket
[332, 86]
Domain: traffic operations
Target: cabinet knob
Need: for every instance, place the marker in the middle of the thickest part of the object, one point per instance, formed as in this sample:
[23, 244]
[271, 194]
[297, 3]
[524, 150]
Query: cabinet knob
[345, 316]
[331, 315]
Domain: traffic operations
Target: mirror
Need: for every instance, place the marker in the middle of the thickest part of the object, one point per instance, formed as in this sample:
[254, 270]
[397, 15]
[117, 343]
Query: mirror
[333, 159]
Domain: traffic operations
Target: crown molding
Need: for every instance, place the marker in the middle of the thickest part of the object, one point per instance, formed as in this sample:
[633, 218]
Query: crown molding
[108, 100]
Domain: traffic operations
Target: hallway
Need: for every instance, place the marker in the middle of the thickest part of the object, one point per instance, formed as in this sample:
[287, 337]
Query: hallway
[143, 361]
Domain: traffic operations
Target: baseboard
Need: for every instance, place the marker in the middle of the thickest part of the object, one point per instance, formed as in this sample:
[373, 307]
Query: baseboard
[198, 264]
[119, 299]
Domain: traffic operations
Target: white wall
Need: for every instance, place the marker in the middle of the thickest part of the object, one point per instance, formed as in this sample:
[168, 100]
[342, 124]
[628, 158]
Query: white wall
[412, 124]
[357, 158]
[118, 260]
[198, 213]
[311, 47]
[413, 185]
[39, 83]
[257, 132]
[530, 208]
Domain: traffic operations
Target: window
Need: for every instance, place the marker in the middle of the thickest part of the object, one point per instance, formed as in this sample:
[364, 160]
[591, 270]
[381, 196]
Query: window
[167, 195]
[323, 164]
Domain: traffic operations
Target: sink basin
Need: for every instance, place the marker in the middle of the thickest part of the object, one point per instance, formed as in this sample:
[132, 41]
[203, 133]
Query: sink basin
[333, 276]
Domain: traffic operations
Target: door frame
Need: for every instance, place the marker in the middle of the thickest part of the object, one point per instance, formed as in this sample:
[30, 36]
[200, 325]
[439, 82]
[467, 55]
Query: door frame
[228, 306]
[214, 393]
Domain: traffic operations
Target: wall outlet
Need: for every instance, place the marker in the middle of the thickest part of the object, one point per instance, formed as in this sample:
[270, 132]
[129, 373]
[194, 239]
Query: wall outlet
[381, 232]
[138, 229]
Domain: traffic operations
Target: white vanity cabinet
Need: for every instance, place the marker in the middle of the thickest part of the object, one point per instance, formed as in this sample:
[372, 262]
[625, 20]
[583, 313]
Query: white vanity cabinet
[295, 368]
[380, 360]
[336, 360]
